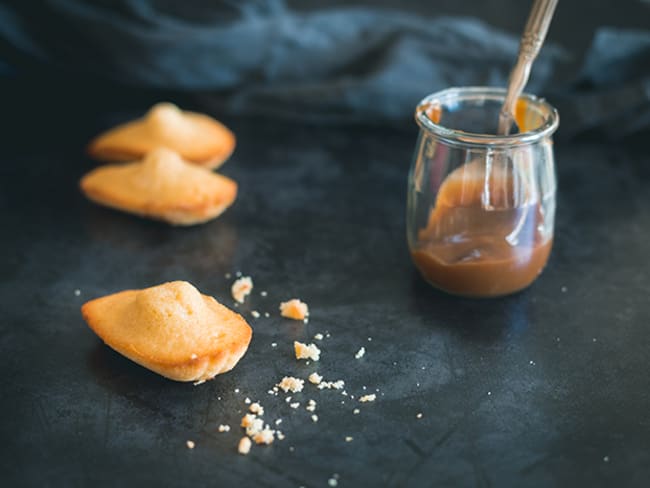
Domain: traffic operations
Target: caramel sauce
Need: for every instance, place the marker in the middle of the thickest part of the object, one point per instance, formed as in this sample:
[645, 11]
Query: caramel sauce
[484, 236]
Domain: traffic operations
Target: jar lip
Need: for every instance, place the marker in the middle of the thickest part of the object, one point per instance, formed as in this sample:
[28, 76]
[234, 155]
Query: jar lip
[454, 136]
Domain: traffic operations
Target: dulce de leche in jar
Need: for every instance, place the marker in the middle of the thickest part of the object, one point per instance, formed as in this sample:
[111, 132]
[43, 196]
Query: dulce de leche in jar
[481, 207]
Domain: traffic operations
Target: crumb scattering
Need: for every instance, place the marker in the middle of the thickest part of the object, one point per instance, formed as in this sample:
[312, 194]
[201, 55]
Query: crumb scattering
[360, 353]
[244, 446]
[368, 398]
[289, 383]
[294, 309]
[241, 288]
[315, 378]
[190, 444]
[306, 351]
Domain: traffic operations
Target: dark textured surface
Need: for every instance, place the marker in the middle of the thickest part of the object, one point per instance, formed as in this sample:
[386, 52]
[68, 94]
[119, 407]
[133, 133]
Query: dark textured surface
[548, 387]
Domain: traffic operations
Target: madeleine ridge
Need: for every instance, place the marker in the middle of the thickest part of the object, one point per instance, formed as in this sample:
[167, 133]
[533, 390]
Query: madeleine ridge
[162, 186]
[171, 329]
[198, 138]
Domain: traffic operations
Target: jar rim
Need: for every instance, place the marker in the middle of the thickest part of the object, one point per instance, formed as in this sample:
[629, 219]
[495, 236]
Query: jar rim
[455, 136]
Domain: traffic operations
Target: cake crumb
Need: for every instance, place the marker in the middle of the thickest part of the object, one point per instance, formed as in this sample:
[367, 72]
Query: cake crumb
[241, 288]
[294, 309]
[227, 276]
[289, 383]
[356, 411]
[199, 382]
[419, 415]
[332, 482]
[274, 344]
[304, 351]
[336, 385]
[606, 459]
[247, 400]
[190, 444]
[247, 420]
[224, 428]
[318, 337]
[315, 378]
[294, 404]
[265, 436]
[255, 314]
[349, 439]
[278, 421]
[368, 398]
[279, 435]
[244, 446]
[77, 292]
[311, 406]
[263, 293]
[266, 314]
[314, 418]
[360, 353]
[256, 408]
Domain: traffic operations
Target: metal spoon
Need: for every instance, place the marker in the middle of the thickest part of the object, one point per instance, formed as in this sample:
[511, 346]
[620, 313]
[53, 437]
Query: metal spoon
[531, 42]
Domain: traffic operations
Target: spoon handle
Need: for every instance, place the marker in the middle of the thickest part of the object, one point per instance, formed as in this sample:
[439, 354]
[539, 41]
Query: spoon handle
[531, 43]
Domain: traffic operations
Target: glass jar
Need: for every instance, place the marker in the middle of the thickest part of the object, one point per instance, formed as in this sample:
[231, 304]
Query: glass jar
[481, 207]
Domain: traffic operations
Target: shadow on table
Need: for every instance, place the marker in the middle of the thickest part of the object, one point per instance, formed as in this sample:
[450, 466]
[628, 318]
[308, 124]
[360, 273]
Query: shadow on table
[146, 390]
[160, 245]
[476, 319]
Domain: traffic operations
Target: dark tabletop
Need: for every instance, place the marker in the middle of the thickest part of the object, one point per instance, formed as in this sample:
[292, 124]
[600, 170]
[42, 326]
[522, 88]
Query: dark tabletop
[547, 387]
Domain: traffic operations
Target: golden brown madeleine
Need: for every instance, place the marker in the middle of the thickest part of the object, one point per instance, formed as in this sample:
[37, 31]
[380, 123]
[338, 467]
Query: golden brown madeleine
[162, 186]
[171, 329]
[198, 138]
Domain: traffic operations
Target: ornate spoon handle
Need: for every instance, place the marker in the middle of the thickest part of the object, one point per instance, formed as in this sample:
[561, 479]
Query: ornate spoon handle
[531, 43]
